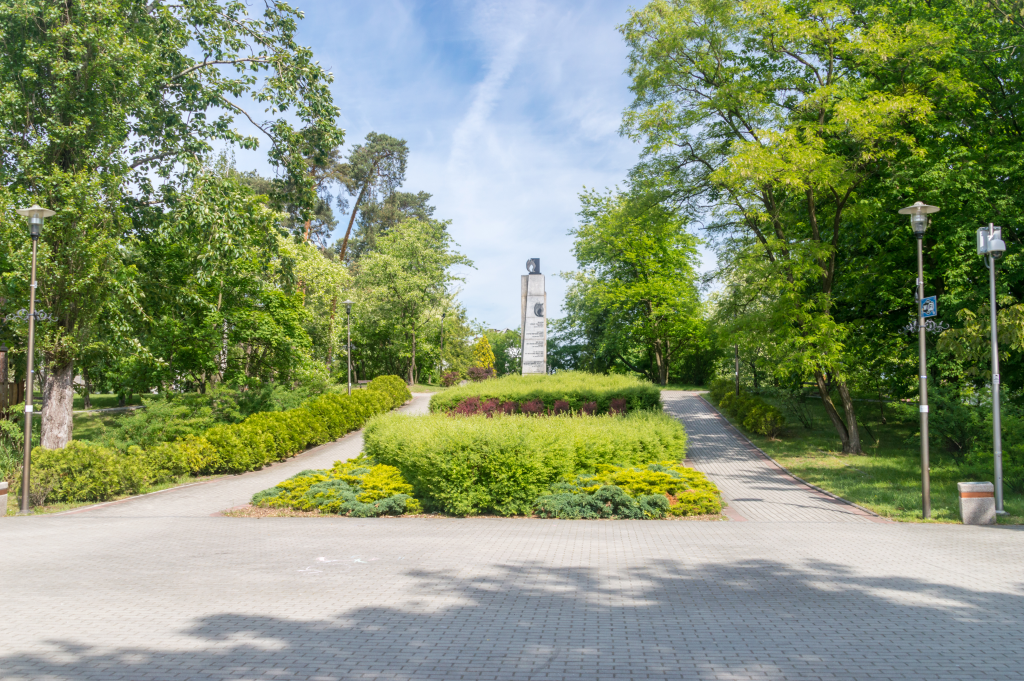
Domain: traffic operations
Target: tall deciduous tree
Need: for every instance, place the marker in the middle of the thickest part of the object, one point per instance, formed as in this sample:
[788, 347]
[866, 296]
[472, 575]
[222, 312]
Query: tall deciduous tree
[106, 106]
[403, 287]
[635, 296]
[757, 115]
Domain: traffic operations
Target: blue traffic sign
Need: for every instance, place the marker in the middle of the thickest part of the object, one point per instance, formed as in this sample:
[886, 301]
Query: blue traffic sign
[929, 307]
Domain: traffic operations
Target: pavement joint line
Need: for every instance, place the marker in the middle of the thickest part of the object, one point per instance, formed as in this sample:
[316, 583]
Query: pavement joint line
[874, 517]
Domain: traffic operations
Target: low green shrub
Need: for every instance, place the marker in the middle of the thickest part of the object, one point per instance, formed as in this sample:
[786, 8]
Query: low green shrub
[579, 391]
[719, 387]
[650, 491]
[85, 471]
[755, 414]
[358, 488]
[764, 419]
[472, 465]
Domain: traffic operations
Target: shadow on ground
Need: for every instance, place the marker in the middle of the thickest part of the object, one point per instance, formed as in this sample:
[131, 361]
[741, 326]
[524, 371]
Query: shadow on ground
[754, 619]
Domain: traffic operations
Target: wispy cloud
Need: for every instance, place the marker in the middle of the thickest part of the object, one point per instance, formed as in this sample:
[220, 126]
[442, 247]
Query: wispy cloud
[509, 108]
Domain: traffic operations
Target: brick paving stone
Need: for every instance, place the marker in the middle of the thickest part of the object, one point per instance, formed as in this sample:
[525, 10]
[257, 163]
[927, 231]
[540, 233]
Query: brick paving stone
[167, 591]
[751, 484]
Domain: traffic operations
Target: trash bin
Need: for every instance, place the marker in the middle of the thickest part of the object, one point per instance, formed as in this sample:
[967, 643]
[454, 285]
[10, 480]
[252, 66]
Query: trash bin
[977, 503]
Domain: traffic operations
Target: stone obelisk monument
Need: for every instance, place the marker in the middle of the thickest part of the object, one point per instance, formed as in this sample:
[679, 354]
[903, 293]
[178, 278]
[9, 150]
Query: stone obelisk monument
[535, 327]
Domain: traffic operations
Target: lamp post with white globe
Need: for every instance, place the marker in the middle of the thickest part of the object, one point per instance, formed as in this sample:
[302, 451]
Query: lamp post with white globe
[919, 219]
[35, 214]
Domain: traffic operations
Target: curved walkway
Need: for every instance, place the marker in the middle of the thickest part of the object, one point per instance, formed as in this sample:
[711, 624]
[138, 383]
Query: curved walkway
[219, 494]
[754, 486]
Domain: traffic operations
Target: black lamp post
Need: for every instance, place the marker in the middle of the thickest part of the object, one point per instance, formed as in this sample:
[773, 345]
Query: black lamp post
[919, 219]
[348, 345]
[35, 214]
[440, 371]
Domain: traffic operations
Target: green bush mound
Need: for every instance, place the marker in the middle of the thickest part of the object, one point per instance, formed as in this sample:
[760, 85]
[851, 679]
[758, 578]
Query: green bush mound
[755, 414]
[650, 491]
[359, 489]
[565, 392]
[85, 471]
[472, 465]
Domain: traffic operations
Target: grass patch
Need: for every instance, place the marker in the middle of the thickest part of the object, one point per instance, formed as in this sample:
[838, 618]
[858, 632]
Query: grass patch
[575, 391]
[105, 401]
[886, 479]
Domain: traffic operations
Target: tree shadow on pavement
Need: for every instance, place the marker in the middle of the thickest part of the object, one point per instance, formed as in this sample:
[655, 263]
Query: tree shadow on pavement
[755, 619]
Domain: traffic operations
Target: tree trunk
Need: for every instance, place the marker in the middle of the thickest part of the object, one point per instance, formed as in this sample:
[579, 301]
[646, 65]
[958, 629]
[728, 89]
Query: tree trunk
[849, 437]
[412, 364]
[351, 220]
[851, 419]
[330, 327]
[86, 400]
[661, 361]
[306, 236]
[5, 399]
[58, 397]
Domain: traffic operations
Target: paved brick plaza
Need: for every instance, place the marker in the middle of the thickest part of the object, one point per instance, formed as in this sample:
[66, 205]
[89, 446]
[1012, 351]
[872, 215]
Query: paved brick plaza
[138, 590]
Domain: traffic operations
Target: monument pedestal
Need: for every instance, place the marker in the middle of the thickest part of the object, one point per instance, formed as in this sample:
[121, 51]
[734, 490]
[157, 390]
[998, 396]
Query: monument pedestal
[534, 320]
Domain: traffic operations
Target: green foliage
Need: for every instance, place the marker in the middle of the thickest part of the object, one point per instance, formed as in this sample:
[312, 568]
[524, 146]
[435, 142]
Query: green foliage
[755, 414]
[575, 388]
[640, 492]
[86, 471]
[634, 304]
[472, 465]
[401, 291]
[359, 489]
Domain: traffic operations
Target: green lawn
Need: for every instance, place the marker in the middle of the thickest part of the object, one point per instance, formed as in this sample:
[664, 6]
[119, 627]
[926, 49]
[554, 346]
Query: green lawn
[105, 401]
[886, 479]
[682, 386]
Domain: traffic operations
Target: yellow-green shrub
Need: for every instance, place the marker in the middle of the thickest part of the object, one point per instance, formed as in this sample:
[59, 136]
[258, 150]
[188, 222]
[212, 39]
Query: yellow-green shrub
[357, 488]
[471, 465]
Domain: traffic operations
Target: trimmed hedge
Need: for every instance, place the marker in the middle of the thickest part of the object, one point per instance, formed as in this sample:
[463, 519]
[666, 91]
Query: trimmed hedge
[84, 471]
[472, 465]
[569, 391]
[358, 489]
[755, 414]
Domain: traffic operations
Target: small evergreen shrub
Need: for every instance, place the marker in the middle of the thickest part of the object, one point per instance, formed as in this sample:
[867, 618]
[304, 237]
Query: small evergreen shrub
[358, 488]
[575, 388]
[472, 465]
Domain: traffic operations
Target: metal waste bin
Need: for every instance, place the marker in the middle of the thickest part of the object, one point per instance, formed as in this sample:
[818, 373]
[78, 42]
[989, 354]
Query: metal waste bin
[977, 503]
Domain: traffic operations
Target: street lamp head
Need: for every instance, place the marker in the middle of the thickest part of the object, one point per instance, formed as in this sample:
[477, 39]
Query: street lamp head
[35, 215]
[919, 213]
[348, 306]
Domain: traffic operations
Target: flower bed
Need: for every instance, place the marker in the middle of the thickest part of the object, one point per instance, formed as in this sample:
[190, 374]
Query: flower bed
[512, 465]
[564, 392]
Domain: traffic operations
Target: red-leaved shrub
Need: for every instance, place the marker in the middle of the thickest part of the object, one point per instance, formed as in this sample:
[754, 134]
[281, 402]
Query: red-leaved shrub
[589, 408]
[468, 407]
[509, 407]
[533, 407]
[617, 406]
[560, 407]
[480, 373]
[489, 407]
[451, 378]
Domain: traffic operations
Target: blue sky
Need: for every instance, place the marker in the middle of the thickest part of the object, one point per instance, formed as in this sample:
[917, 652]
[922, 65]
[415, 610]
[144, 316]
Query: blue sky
[509, 109]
